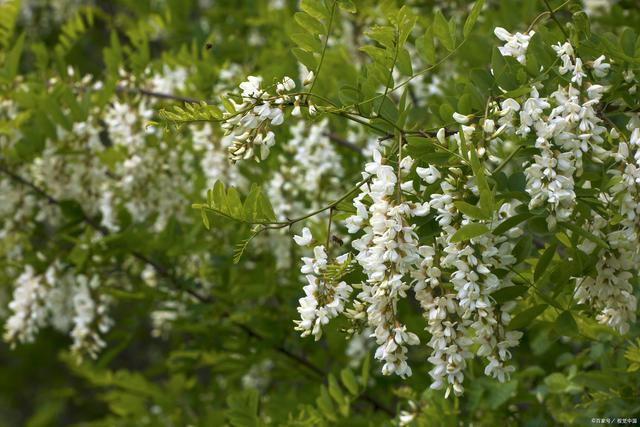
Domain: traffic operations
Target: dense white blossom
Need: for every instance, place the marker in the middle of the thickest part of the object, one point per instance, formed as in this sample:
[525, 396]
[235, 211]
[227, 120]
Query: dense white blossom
[387, 251]
[566, 127]
[515, 44]
[324, 297]
[28, 308]
[250, 124]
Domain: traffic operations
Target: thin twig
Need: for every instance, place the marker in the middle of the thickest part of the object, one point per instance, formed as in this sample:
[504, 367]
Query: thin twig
[334, 137]
[555, 19]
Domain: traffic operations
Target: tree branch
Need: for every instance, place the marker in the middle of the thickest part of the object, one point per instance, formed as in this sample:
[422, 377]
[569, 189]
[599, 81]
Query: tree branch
[334, 137]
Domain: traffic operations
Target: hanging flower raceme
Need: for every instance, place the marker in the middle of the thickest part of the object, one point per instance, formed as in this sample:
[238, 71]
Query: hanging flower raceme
[610, 290]
[515, 44]
[251, 122]
[62, 300]
[325, 294]
[454, 283]
[387, 252]
[566, 127]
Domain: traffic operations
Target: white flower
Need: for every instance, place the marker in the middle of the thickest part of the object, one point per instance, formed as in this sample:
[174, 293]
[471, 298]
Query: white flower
[601, 68]
[430, 174]
[28, 308]
[578, 72]
[276, 116]
[421, 209]
[308, 78]
[288, 83]
[251, 87]
[251, 127]
[516, 44]
[489, 126]
[305, 239]
[440, 136]
[460, 118]
[323, 300]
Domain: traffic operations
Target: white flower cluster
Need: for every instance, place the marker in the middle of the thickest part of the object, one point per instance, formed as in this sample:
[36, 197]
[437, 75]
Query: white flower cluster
[568, 130]
[387, 252]
[324, 298]
[129, 180]
[250, 124]
[611, 292]
[515, 44]
[171, 80]
[453, 282]
[566, 126]
[29, 312]
[627, 190]
[90, 318]
[463, 316]
[39, 300]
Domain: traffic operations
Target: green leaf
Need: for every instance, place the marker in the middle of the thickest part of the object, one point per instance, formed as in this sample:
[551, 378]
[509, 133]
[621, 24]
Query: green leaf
[265, 209]
[243, 409]
[523, 319]
[307, 42]
[315, 8]
[486, 202]
[228, 105]
[250, 207]
[446, 111]
[325, 404]
[566, 325]
[499, 393]
[425, 46]
[509, 293]
[239, 249]
[471, 210]
[471, 19]
[405, 21]
[12, 59]
[234, 203]
[205, 219]
[9, 11]
[349, 380]
[469, 231]
[219, 197]
[522, 249]
[309, 23]
[404, 62]
[628, 41]
[544, 261]
[335, 391]
[597, 380]
[586, 234]
[557, 383]
[383, 34]
[511, 222]
[442, 31]
[306, 58]
[347, 6]
[504, 70]
[192, 112]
